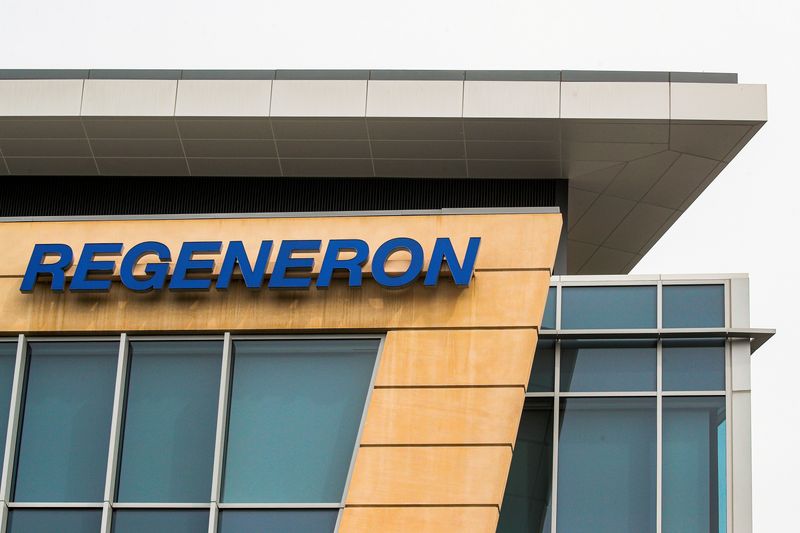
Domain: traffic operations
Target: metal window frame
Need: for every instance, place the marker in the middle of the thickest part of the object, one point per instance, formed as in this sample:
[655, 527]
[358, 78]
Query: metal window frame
[726, 283]
[659, 394]
[108, 506]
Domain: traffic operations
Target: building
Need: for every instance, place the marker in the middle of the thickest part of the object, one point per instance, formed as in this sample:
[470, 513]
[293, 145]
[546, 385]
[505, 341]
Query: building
[307, 301]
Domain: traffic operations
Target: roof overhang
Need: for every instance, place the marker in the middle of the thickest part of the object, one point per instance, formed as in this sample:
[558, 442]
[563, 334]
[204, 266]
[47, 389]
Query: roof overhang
[637, 147]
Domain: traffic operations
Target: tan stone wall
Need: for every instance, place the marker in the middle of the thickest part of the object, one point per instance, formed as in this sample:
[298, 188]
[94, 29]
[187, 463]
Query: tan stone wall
[441, 425]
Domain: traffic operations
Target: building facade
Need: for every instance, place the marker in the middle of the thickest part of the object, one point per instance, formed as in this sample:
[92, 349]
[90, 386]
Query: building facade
[367, 301]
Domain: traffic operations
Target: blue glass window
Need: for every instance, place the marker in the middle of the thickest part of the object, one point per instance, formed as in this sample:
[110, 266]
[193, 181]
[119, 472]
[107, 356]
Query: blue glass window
[8, 353]
[549, 317]
[608, 365]
[278, 521]
[543, 371]
[694, 364]
[694, 490]
[160, 521]
[622, 307]
[66, 422]
[526, 504]
[607, 465]
[47, 520]
[170, 421]
[694, 306]
[295, 410]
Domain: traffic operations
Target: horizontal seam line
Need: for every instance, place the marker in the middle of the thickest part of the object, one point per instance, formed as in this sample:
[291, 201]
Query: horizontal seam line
[453, 505]
[467, 386]
[442, 445]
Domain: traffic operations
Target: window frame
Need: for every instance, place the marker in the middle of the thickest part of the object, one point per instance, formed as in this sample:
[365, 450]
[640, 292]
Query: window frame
[659, 393]
[109, 503]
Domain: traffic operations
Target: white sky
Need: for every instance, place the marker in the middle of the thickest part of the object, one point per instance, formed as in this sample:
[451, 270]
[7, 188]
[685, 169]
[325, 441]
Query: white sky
[747, 221]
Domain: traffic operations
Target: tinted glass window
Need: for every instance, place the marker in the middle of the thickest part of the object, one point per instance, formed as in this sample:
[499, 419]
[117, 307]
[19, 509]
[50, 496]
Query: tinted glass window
[526, 504]
[8, 352]
[694, 365]
[295, 410]
[170, 421]
[606, 365]
[278, 521]
[607, 465]
[694, 488]
[160, 521]
[60, 520]
[608, 307]
[549, 317]
[694, 306]
[544, 363]
[66, 422]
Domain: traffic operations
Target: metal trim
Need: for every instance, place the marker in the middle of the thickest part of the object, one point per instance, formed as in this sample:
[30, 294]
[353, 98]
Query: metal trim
[296, 214]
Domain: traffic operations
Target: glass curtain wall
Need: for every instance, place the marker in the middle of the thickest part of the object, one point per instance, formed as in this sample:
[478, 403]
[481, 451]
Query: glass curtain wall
[601, 410]
[226, 434]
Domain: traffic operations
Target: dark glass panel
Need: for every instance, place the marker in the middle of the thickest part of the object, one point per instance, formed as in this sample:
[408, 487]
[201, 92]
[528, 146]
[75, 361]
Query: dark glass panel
[526, 504]
[607, 465]
[600, 307]
[66, 422]
[170, 421]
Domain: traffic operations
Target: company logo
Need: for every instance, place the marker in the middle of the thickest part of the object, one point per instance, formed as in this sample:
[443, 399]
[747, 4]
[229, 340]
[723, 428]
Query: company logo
[98, 264]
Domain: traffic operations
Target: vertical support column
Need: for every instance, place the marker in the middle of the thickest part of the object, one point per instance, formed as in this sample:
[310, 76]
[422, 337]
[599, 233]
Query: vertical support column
[739, 297]
[219, 441]
[659, 425]
[740, 446]
[556, 424]
[13, 427]
[116, 432]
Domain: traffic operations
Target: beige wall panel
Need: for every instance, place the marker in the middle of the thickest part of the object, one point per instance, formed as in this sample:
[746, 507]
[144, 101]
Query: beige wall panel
[494, 299]
[457, 357]
[419, 520]
[483, 415]
[440, 475]
[507, 241]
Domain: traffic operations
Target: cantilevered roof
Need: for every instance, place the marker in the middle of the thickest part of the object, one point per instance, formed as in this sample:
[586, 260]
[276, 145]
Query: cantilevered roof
[637, 147]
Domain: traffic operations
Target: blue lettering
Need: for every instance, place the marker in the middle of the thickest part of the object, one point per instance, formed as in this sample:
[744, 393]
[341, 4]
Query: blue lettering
[87, 266]
[37, 266]
[186, 265]
[443, 252]
[331, 261]
[157, 272]
[253, 275]
[387, 249]
[285, 263]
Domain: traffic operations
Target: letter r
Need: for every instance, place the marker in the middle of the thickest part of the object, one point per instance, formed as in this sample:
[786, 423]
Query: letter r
[37, 266]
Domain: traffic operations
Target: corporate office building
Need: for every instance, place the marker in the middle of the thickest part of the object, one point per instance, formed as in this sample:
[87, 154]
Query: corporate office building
[367, 301]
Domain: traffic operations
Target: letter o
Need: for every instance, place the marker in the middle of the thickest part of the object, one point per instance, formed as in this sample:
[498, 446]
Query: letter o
[387, 249]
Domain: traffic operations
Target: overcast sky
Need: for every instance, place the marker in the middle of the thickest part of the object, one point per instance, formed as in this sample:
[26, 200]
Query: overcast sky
[747, 221]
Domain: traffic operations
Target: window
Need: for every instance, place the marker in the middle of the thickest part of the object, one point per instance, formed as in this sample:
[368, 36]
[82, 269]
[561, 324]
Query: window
[278, 520]
[295, 410]
[600, 307]
[61, 520]
[542, 373]
[170, 421]
[526, 505]
[292, 414]
[160, 521]
[549, 317]
[8, 352]
[694, 306]
[607, 465]
[694, 364]
[608, 365]
[694, 470]
[66, 422]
